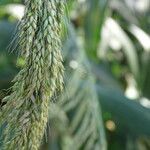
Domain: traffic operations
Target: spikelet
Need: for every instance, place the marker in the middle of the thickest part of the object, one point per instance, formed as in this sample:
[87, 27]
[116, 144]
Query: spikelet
[26, 111]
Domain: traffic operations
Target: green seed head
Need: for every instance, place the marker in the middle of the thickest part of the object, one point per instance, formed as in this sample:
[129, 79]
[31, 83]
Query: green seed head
[26, 111]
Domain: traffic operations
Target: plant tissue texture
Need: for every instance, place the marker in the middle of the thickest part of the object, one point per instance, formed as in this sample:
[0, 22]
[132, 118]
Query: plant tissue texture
[25, 114]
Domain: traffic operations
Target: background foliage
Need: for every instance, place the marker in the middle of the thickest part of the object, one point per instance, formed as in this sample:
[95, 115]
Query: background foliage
[106, 48]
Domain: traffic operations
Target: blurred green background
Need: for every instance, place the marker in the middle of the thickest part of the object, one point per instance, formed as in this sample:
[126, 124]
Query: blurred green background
[106, 49]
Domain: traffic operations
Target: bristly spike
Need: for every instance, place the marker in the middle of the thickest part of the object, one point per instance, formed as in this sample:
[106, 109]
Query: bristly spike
[26, 111]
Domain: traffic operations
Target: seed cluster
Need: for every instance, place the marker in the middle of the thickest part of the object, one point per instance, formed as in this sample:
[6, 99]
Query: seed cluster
[25, 114]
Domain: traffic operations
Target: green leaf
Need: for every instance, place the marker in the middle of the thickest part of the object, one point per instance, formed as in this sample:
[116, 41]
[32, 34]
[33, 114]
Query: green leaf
[94, 20]
[131, 114]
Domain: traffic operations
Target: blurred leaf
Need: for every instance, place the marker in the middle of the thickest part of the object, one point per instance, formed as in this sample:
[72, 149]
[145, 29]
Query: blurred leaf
[132, 115]
[145, 75]
[4, 2]
[114, 30]
[122, 9]
[79, 101]
[94, 19]
[141, 36]
[6, 30]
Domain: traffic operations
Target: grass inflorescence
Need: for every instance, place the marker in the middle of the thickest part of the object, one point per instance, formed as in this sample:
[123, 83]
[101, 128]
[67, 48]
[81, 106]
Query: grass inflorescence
[25, 113]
